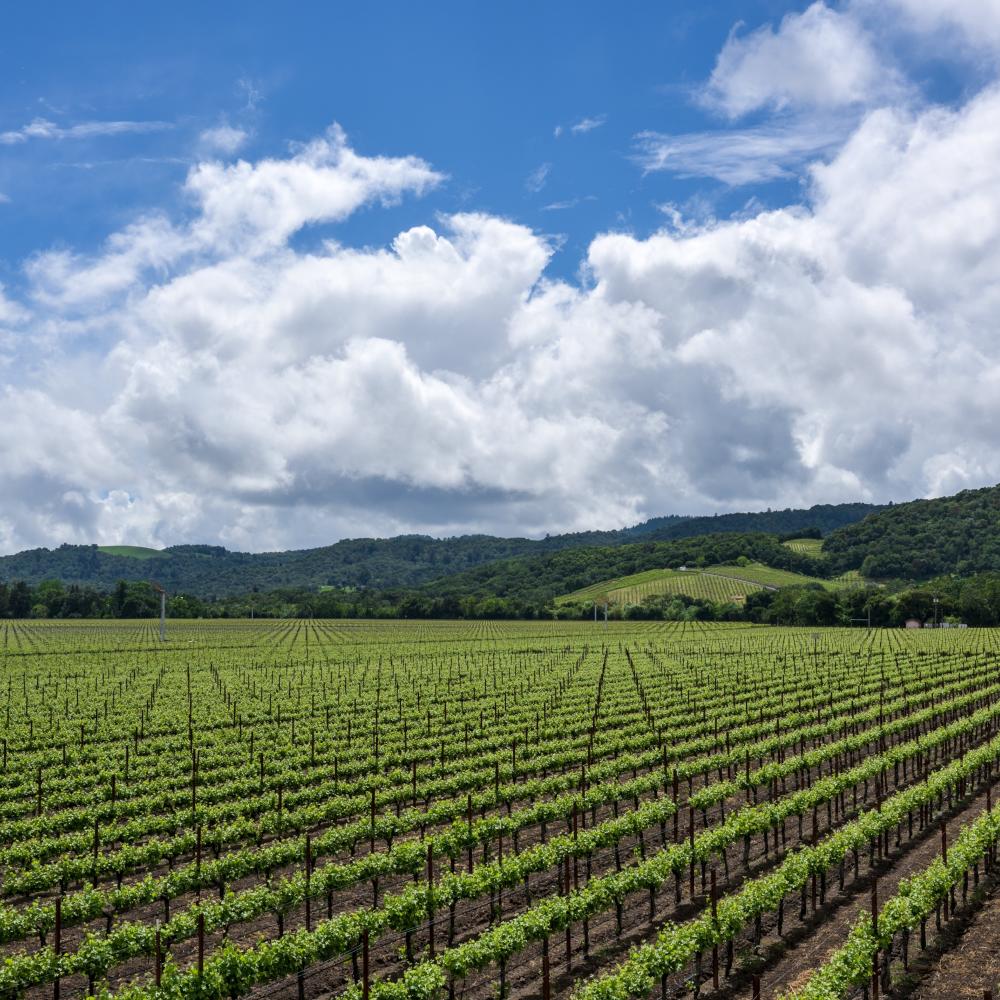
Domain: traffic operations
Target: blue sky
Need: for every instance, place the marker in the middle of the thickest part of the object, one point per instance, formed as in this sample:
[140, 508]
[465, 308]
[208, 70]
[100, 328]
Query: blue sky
[477, 90]
[275, 276]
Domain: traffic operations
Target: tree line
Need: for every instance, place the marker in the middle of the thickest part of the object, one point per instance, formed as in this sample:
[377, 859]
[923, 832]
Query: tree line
[974, 600]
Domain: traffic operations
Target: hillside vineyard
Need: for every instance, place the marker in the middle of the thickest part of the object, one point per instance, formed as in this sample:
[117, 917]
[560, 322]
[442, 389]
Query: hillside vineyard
[303, 809]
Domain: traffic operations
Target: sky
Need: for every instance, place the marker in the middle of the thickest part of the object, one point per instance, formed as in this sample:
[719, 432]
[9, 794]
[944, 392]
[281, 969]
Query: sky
[275, 275]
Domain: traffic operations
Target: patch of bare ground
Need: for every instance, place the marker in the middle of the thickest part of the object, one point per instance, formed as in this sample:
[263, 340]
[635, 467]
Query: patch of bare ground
[785, 962]
[608, 942]
[963, 960]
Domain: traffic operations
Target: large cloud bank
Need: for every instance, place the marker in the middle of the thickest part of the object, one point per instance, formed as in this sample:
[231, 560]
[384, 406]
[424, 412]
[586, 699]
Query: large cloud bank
[206, 378]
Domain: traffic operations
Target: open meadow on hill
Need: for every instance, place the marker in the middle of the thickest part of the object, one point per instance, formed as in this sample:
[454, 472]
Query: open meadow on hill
[365, 809]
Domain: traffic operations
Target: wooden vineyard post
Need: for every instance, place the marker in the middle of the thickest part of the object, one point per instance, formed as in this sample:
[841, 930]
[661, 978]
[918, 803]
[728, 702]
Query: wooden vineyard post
[201, 944]
[468, 813]
[372, 841]
[691, 840]
[756, 987]
[715, 946]
[197, 856]
[430, 899]
[546, 985]
[576, 864]
[875, 976]
[158, 958]
[364, 964]
[944, 858]
[308, 882]
[677, 810]
[569, 926]
[57, 944]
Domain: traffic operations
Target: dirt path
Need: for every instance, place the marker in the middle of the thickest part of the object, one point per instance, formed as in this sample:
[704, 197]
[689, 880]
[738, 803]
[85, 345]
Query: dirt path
[972, 964]
[788, 960]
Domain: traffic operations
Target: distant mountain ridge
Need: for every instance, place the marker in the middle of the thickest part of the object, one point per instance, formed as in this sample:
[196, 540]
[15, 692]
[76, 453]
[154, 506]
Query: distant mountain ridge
[826, 517]
[404, 561]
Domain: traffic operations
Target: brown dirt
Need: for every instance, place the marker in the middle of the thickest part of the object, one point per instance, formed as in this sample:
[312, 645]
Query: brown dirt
[971, 963]
[785, 962]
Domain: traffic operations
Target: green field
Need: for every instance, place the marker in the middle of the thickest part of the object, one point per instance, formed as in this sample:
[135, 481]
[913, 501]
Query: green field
[806, 546]
[132, 552]
[248, 807]
[711, 586]
[715, 583]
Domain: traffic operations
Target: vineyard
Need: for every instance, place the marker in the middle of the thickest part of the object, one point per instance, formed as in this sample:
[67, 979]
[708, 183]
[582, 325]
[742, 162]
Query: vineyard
[632, 589]
[379, 811]
[806, 546]
[715, 583]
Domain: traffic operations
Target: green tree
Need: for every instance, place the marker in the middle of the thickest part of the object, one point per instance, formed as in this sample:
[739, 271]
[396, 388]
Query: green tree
[19, 600]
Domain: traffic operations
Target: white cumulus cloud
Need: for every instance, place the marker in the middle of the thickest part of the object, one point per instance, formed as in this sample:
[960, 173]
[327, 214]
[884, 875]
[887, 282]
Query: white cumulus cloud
[201, 378]
[820, 58]
[976, 22]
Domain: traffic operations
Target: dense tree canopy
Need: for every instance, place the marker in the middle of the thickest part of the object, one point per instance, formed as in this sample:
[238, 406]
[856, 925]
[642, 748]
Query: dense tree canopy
[923, 539]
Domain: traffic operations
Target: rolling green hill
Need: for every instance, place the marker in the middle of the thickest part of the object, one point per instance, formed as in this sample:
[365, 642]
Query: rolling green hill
[635, 588]
[210, 570]
[406, 561]
[541, 578]
[715, 583]
[923, 539]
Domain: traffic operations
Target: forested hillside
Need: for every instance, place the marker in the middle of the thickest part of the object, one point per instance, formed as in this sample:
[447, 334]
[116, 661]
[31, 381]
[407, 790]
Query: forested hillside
[405, 561]
[922, 539]
[209, 570]
[541, 578]
[824, 517]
